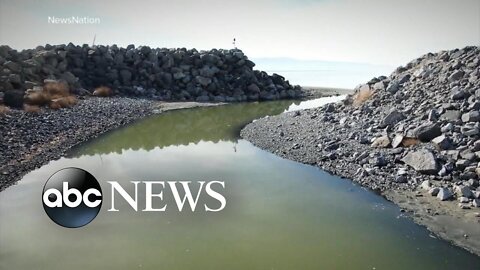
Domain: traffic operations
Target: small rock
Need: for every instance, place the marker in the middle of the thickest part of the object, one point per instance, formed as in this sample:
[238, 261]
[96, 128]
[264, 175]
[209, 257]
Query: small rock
[202, 99]
[442, 142]
[253, 88]
[464, 191]
[470, 132]
[433, 115]
[405, 78]
[15, 67]
[448, 127]
[444, 194]
[381, 142]
[329, 108]
[378, 161]
[397, 140]
[393, 87]
[461, 164]
[401, 179]
[13, 98]
[392, 118]
[451, 115]
[476, 203]
[434, 191]
[379, 86]
[402, 171]
[204, 81]
[473, 183]
[468, 155]
[456, 75]
[425, 185]
[472, 116]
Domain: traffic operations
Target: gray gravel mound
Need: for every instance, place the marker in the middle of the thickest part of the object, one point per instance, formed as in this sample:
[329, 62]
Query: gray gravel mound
[422, 123]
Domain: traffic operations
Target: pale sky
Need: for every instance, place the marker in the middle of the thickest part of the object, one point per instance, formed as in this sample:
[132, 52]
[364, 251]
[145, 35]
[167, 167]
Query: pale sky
[368, 31]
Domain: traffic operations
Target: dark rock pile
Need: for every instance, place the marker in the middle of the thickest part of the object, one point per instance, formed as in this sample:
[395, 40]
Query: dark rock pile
[162, 74]
[418, 129]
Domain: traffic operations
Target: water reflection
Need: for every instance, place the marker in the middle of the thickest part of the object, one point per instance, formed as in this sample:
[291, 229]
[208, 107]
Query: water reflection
[214, 124]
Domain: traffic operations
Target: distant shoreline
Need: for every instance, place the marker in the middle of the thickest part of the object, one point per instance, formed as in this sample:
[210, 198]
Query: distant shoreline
[319, 91]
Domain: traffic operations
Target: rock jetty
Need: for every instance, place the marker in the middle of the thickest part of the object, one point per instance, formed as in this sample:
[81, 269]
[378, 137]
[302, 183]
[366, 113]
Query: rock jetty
[155, 73]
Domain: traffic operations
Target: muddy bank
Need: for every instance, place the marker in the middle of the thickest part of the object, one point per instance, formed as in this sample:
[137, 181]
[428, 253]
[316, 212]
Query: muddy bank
[462, 228]
[30, 140]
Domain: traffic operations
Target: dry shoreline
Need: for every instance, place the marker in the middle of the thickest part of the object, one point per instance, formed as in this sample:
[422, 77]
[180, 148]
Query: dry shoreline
[461, 229]
[311, 92]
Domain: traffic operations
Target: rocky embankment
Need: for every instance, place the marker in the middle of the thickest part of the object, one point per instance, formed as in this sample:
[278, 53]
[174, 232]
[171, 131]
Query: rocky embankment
[155, 73]
[413, 136]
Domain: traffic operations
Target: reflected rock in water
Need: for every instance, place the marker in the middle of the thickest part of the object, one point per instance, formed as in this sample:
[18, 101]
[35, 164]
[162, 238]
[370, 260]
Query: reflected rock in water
[182, 127]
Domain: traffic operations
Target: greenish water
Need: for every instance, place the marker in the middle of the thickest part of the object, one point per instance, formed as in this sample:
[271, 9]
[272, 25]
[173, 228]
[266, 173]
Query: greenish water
[279, 215]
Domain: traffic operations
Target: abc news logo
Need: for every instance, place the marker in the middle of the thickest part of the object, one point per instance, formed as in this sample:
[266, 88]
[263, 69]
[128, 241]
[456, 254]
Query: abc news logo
[72, 197]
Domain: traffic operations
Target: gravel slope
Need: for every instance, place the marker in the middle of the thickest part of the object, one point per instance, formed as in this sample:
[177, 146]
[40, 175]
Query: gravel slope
[30, 140]
[413, 137]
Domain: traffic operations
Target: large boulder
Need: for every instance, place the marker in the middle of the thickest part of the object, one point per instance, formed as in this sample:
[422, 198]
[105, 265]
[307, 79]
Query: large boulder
[427, 132]
[423, 161]
[392, 118]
